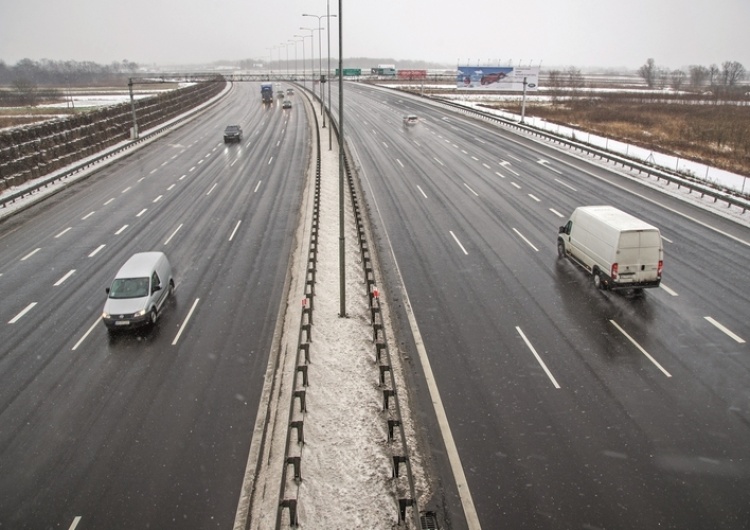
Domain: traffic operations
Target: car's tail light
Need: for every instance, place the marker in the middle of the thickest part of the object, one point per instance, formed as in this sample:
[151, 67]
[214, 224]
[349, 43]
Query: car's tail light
[614, 271]
[659, 268]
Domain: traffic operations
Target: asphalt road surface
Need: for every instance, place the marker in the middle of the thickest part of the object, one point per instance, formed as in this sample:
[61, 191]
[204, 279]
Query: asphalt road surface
[570, 407]
[147, 430]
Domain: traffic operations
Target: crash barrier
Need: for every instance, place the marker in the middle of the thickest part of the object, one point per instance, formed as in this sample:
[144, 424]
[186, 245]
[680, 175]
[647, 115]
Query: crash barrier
[32, 152]
[691, 183]
[402, 475]
[296, 420]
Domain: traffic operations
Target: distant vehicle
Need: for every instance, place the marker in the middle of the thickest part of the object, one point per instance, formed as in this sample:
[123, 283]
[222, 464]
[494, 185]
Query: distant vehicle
[233, 133]
[619, 250]
[287, 104]
[138, 292]
[266, 92]
[289, 91]
[280, 94]
[411, 119]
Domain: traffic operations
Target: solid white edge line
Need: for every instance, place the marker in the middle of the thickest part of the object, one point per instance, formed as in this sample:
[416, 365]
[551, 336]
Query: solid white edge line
[538, 358]
[726, 330]
[96, 323]
[20, 315]
[185, 322]
[462, 485]
[644, 352]
[459, 243]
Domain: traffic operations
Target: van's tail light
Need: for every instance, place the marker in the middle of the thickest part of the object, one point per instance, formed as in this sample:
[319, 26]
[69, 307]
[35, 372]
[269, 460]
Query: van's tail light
[659, 268]
[614, 271]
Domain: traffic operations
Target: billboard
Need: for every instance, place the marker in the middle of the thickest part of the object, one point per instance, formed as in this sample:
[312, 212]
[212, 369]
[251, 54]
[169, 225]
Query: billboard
[501, 78]
[412, 74]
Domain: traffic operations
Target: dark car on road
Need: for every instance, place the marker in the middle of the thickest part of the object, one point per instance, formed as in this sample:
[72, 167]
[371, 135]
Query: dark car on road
[233, 133]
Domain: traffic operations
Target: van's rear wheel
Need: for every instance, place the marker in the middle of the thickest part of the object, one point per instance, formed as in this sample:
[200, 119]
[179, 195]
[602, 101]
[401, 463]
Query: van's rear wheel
[598, 280]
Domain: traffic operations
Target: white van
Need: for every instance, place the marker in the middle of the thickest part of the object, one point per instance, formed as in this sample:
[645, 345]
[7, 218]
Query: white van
[139, 291]
[619, 250]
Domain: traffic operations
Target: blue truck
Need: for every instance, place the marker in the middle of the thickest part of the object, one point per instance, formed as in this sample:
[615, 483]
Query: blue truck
[266, 92]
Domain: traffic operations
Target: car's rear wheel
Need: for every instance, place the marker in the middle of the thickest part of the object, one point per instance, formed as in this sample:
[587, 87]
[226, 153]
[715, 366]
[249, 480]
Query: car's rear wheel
[598, 279]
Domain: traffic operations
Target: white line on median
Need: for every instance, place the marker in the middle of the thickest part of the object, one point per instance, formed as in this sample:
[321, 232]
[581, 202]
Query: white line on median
[726, 330]
[20, 315]
[184, 324]
[538, 358]
[644, 352]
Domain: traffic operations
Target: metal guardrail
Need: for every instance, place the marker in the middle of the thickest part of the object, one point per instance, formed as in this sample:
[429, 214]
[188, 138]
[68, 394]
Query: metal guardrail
[681, 180]
[44, 182]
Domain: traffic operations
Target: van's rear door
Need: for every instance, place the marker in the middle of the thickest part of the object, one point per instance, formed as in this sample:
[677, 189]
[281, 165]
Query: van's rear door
[638, 256]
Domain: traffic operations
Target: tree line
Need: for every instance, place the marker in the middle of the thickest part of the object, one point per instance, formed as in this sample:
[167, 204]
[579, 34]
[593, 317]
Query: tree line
[63, 73]
[725, 79]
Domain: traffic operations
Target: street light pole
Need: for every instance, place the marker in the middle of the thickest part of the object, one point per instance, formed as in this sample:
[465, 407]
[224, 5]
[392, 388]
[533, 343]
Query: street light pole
[304, 72]
[295, 56]
[320, 65]
[312, 58]
[342, 237]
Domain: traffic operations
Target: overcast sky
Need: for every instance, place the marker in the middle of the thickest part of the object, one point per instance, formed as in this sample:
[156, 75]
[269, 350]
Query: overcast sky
[580, 33]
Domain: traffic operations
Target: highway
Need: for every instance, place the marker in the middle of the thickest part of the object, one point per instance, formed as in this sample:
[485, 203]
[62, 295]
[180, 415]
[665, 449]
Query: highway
[570, 407]
[149, 429]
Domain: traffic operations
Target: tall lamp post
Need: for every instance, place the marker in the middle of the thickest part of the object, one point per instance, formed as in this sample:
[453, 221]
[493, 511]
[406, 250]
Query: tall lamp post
[295, 41]
[320, 60]
[312, 55]
[304, 72]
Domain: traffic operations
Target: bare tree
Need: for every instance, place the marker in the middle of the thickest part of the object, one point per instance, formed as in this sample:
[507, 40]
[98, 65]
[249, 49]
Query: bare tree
[732, 72]
[678, 78]
[662, 75]
[26, 91]
[648, 72]
[698, 75]
[555, 80]
[713, 73]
